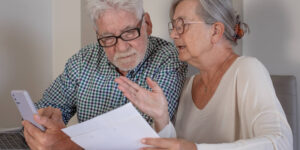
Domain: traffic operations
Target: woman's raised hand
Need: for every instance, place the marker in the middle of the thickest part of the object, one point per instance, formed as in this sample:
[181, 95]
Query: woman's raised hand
[152, 103]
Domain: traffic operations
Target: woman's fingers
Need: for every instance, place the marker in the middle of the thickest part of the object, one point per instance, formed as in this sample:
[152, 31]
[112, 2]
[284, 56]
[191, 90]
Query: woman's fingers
[152, 148]
[159, 142]
[127, 86]
[123, 81]
[153, 85]
[129, 92]
[150, 102]
[169, 143]
[130, 83]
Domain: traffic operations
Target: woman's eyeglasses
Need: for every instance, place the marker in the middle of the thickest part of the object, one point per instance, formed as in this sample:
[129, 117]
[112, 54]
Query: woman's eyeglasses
[179, 25]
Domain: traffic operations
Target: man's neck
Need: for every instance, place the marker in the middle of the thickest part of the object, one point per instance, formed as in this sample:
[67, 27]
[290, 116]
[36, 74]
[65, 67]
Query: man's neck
[123, 73]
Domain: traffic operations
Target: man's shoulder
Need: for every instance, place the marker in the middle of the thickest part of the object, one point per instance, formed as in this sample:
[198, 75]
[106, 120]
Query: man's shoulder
[162, 47]
[164, 54]
[90, 50]
[89, 53]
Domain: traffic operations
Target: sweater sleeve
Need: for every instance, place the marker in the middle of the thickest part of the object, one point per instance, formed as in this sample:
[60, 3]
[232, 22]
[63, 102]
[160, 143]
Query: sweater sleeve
[269, 135]
[168, 131]
[261, 115]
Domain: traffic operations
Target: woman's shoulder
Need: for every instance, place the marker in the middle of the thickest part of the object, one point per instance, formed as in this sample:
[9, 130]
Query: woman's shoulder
[244, 61]
[250, 65]
[251, 70]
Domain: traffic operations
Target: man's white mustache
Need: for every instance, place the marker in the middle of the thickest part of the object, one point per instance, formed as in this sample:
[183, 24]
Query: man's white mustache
[131, 51]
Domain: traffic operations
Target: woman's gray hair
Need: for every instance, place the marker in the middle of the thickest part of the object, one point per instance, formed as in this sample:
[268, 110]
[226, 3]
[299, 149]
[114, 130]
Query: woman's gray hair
[97, 7]
[212, 11]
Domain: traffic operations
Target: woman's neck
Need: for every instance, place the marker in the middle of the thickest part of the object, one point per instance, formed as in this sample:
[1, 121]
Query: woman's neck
[213, 60]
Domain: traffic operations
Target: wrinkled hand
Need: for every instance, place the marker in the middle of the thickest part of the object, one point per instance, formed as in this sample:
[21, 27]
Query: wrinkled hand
[153, 103]
[168, 144]
[52, 137]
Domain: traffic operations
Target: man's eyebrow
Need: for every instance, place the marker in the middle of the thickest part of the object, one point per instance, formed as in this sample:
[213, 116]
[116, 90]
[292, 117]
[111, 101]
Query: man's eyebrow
[104, 34]
[128, 28]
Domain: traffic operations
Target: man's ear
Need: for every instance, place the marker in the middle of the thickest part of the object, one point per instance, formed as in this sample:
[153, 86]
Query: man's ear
[218, 30]
[95, 30]
[148, 23]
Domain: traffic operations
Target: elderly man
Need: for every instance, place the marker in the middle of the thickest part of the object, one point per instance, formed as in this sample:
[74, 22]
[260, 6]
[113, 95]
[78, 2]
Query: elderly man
[125, 48]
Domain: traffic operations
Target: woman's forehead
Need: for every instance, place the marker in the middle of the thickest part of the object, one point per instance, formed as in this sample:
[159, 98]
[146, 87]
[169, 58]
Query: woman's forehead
[186, 9]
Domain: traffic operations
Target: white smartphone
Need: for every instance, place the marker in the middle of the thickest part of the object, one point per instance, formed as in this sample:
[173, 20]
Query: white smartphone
[25, 106]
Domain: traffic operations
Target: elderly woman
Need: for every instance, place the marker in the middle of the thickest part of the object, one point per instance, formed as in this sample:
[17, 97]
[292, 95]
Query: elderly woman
[230, 104]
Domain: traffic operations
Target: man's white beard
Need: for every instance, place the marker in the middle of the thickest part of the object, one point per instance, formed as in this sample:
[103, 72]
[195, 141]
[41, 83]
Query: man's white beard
[128, 63]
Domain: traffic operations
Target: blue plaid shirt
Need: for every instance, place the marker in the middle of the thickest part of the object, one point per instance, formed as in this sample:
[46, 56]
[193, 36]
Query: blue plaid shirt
[87, 84]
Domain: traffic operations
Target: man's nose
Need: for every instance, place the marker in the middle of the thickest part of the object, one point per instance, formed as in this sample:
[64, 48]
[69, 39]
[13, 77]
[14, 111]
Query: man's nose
[122, 45]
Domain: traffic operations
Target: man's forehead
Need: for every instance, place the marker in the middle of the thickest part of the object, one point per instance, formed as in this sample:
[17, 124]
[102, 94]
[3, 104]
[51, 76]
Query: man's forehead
[116, 21]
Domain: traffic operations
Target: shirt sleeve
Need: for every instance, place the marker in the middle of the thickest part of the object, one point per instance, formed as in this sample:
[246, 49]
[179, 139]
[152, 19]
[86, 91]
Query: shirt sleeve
[62, 92]
[261, 115]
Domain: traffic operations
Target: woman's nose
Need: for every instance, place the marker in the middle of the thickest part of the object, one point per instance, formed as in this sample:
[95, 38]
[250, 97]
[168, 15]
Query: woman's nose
[174, 34]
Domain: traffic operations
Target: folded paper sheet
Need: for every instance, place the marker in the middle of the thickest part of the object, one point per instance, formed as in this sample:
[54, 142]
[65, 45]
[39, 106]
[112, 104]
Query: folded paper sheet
[119, 129]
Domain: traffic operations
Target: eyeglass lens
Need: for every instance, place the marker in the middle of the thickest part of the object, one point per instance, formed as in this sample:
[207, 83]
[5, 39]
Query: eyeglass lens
[178, 25]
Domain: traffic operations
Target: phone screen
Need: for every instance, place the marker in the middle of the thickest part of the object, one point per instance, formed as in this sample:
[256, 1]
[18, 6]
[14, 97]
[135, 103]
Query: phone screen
[25, 106]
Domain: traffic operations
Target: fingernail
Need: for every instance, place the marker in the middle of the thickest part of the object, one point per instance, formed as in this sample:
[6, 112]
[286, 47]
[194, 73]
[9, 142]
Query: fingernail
[37, 117]
[143, 141]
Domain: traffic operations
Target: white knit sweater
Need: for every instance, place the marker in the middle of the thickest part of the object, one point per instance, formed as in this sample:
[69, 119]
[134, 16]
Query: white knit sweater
[243, 114]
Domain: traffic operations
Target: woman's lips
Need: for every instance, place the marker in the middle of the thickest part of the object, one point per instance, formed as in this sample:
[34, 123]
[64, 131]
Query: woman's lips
[181, 47]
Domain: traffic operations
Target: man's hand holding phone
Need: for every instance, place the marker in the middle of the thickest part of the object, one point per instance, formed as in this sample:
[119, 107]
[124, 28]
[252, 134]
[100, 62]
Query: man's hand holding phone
[25, 106]
[42, 128]
[52, 137]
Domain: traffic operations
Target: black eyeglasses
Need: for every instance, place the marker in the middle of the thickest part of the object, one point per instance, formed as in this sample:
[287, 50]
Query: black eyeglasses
[179, 25]
[128, 35]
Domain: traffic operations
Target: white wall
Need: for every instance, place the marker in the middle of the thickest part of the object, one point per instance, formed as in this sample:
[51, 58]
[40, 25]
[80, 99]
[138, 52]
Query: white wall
[25, 53]
[66, 32]
[36, 39]
[159, 13]
[274, 37]
[88, 34]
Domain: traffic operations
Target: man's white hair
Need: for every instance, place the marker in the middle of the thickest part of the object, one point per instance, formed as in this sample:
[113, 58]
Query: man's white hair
[97, 7]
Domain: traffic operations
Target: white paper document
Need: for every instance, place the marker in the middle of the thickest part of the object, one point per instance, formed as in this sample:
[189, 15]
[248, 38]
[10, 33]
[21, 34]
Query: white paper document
[119, 129]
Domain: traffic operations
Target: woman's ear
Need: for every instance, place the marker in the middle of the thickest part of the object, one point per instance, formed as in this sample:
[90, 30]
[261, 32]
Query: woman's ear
[218, 30]
[148, 23]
